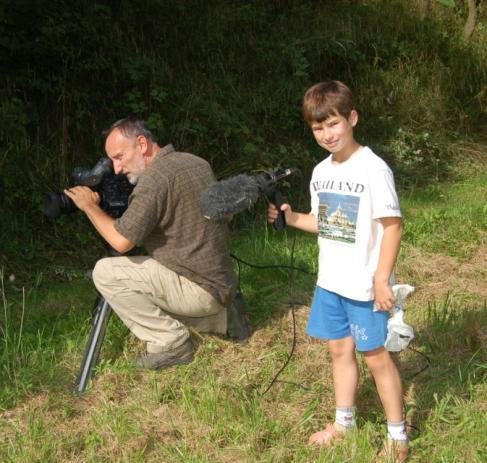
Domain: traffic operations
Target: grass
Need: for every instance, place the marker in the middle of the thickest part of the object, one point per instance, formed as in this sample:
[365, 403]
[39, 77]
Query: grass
[216, 409]
[448, 219]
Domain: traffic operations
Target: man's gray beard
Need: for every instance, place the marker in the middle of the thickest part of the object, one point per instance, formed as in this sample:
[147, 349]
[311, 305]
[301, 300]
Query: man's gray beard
[133, 179]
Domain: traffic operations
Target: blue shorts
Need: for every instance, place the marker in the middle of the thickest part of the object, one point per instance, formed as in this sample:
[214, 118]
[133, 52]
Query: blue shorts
[336, 317]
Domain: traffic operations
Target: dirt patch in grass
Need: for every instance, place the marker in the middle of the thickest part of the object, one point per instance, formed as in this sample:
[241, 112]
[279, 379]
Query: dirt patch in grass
[436, 276]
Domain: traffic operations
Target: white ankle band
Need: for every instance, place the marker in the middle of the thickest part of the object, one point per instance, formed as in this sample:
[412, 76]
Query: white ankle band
[345, 416]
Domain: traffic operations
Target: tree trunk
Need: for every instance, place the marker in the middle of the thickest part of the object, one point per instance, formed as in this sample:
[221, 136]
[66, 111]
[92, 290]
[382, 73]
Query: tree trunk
[425, 9]
[471, 20]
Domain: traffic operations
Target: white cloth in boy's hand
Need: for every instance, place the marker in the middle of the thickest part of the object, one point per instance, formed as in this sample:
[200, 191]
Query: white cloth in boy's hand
[399, 334]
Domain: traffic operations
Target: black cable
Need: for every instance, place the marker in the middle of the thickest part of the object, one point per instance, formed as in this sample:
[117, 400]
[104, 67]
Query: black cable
[292, 303]
[274, 380]
[293, 314]
[428, 362]
[293, 307]
[291, 282]
[239, 288]
[269, 266]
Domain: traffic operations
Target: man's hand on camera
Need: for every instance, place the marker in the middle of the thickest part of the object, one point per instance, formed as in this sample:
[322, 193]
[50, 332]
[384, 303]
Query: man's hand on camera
[83, 196]
[87, 200]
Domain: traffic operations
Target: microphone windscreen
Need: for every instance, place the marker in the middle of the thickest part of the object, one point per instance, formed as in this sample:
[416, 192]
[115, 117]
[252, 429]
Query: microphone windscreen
[230, 196]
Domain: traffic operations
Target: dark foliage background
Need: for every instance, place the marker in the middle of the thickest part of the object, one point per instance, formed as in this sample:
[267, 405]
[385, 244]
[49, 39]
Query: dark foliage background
[223, 79]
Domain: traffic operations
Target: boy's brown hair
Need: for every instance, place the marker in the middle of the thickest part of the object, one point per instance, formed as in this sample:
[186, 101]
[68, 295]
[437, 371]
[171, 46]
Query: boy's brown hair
[327, 99]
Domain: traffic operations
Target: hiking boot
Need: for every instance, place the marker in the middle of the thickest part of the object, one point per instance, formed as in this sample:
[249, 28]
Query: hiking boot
[180, 355]
[237, 327]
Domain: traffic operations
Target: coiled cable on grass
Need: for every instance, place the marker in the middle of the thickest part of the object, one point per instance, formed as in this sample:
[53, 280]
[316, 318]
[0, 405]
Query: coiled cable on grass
[291, 281]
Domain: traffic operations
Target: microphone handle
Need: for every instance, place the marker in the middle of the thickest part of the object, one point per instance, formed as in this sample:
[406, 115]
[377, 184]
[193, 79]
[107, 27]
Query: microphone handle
[275, 198]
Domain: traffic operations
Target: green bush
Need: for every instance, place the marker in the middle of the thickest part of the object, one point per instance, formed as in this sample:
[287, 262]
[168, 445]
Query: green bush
[223, 79]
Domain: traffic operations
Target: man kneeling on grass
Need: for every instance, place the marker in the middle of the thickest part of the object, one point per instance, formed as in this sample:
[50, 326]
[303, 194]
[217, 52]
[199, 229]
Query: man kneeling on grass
[187, 278]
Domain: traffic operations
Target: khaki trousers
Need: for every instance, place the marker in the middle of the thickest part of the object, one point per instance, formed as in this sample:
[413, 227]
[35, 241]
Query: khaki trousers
[155, 302]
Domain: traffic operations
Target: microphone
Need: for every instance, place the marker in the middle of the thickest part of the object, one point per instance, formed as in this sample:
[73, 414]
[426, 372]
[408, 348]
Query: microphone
[230, 196]
[236, 194]
[267, 179]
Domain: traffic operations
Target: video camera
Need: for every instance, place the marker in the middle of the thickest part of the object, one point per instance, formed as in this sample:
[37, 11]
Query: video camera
[114, 191]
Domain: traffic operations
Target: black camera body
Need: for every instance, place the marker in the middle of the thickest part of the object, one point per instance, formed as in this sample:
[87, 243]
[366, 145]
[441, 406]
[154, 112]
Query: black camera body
[114, 191]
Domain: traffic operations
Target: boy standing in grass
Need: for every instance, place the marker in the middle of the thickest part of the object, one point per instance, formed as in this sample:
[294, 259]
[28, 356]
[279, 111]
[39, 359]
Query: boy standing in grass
[355, 212]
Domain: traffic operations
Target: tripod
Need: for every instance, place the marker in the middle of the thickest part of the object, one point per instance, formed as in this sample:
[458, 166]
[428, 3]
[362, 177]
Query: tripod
[101, 315]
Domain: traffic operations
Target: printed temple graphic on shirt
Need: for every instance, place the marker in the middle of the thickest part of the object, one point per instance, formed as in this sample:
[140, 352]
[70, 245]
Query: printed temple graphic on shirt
[337, 216]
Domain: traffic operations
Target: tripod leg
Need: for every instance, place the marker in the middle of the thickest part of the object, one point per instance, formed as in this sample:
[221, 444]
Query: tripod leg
[92, 352]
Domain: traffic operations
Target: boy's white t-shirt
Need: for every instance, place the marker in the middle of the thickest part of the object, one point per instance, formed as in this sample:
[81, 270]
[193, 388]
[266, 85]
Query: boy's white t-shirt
[348, 199]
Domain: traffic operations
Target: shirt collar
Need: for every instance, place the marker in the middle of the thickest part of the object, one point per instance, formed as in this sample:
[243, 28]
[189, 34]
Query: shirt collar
[166, 149]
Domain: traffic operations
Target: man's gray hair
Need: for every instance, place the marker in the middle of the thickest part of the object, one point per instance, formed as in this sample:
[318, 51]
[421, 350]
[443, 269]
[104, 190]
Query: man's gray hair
[131, 128]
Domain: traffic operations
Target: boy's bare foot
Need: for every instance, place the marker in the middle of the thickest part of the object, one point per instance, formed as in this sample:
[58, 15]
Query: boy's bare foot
[394, 451]
[333, 432]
